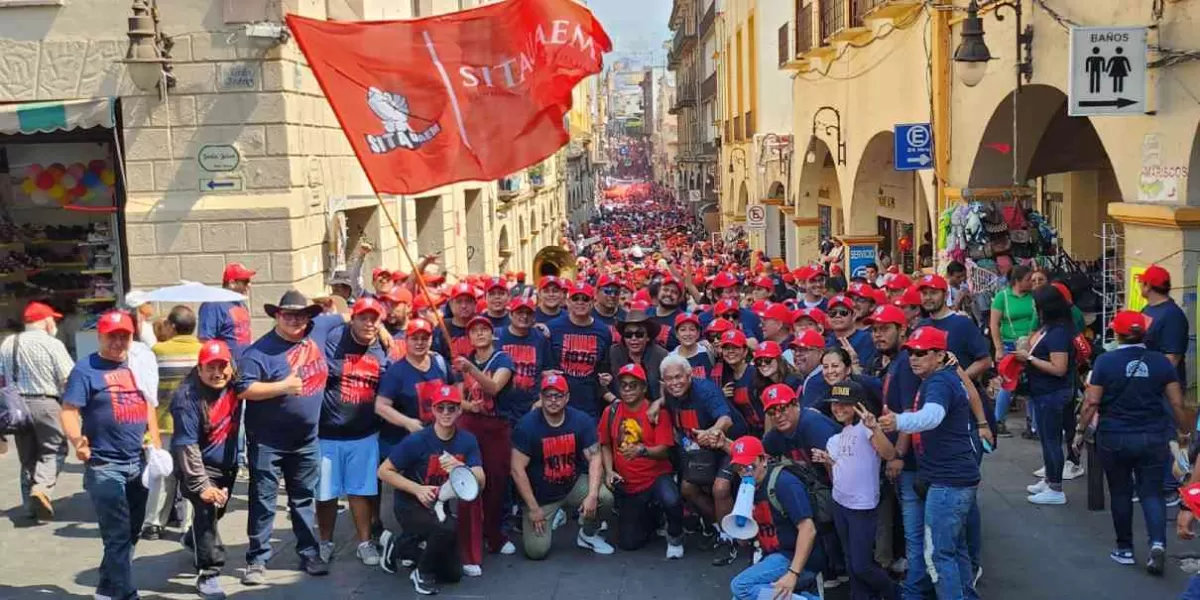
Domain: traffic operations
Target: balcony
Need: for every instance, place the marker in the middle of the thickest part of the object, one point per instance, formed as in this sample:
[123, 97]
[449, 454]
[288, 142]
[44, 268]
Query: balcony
[833, 18]
[508, 188]
[685, 97]
[737, 128]
[749, 125]
[708, 89]
[682, 42]
[710, 17]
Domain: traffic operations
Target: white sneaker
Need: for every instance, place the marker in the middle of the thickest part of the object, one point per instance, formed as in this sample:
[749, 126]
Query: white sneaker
[1038, 487]
[1072, 471]
[508, 548]
[326, 551]
[1040, 473]
[1048, 497]
[596, 544]
[472, 570]
[368, 553]
[675, 550]
[101, 597]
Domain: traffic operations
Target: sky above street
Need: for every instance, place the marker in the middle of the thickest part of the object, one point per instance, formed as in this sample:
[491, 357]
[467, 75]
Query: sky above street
[638, 28]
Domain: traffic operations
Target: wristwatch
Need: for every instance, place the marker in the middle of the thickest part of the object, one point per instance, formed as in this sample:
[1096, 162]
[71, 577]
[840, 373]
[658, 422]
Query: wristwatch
[643, 451]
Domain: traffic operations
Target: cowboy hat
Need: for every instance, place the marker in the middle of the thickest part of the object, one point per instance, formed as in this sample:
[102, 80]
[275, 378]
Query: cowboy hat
[639, 317]
[293, 301]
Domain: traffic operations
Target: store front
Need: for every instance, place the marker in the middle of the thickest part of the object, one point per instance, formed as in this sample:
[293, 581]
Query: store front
[61, 203]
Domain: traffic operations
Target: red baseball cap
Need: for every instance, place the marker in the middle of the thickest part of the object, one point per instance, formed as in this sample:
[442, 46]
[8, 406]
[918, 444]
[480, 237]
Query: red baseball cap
[733, 337]
[779, 312]
[687, 317]
[669, 280]
[813, 314]
[495, 283]
[759, 307]
[768, 349]
[861, 290]
[887, 314]
[36, 311]
[1065, 291]
[479, 319]
[745, 450]
[788, 278]
[607, 280]
[416, 326]
[777, 394]
[1010, 369]
[555, 382]
[521, 302]
[841, 300]
[1128, 322]
[723, 280]
[237, 272]
[398, 295]
[548, 281]
[581, 287]
[462, 288]
[367, 304]
[719, 326]
[378, 272]
[1155, 276]
[765, 282]
[809, 340]
[726, 306]
[447, 394]
[927, 338]
[113, 321]
[897, 282]
[933, 282]
[632, 370]
[214, 350]
[910, 297]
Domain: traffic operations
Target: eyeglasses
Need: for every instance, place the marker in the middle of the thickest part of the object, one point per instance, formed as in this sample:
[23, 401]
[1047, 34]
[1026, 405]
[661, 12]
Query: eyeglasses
[446, 408]
[840, 312]
[730, 316]
[610, 290]
[553, 395]
[762, 362]
[775, 411]
[630, 384]
[635, 334]
[580, 298]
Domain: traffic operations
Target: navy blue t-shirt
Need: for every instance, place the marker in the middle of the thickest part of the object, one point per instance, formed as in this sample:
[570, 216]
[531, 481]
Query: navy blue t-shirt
[743, 395]
[459, 342]
[556, 454]
[411, 391]
[946, 454]
[580, 353]
[1134, 400]
[530, 354]
[348, 409]
[749, 322]
[498, 322]
[777, 531]
[701, 408]
[418, 456]
[702, 364]
[490, 406]
[861, 341]
[813, 431]
[611, 322]
[226, 321]
[1168, 334]
[964, 338]
[218, 438]
[1057, 338]
[543, 317]
[666, 330]
[900, 387]
[113, 409]
[283, 422]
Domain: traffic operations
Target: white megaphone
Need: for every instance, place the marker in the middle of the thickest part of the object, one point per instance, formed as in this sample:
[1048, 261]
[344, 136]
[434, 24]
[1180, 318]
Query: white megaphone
[461, 484]
[740, 524]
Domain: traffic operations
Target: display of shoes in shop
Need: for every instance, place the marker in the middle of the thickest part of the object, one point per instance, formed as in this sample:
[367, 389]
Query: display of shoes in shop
[101, 261]
[37, 232]
[19, 261]
[99, 233]
[102, 289]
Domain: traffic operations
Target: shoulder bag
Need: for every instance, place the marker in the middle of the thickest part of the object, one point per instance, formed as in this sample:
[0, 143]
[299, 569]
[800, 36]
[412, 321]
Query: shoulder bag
[14, 410]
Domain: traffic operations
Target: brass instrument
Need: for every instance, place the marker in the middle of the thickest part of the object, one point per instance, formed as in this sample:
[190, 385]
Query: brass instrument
[553, 260]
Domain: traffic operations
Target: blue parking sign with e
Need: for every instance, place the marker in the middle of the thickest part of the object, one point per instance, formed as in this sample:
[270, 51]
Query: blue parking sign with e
[859, 257]
[914, 147]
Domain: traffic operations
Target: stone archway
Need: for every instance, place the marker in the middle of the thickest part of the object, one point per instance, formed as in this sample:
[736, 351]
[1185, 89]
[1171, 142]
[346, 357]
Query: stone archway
[504, 250]
[1064, 152]
[743, 201]
[887, 203]
[818, 199]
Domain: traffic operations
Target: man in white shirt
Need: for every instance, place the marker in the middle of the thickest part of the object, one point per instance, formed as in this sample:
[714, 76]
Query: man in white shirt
[39, 370]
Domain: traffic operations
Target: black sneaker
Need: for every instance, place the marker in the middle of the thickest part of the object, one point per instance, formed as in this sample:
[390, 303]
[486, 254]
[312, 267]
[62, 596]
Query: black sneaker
[422, 584]
[151, 532]
[727, 552]
[1028, 435]
[1157, 561]
[1172, 498]
[1002, 430]
[387, 551]
[314, 566]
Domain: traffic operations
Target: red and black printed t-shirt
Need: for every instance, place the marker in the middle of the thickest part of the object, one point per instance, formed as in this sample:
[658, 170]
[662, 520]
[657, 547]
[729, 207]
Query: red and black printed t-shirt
[743, 398]
[556, 454]
[581, 352]
[530, 354]
[411, 391]
[418, 457]
[283, 422]
[348, 408]
[113, 409]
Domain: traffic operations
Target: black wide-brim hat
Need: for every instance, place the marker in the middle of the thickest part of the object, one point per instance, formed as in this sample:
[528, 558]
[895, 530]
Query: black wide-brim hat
[640, 317]
[294, 301]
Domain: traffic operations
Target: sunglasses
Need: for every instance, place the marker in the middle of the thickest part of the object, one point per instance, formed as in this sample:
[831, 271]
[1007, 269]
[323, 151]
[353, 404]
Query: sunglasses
[630, 384]
[841, 312]
[635, 334]
[446, 408]
[730, 316]
[779, 410]
[760, 362]
[920, 353]
[580, 298]
[610, 290]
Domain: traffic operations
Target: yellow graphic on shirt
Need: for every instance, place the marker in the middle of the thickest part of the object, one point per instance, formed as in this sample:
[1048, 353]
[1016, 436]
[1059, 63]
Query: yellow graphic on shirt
[631, 432]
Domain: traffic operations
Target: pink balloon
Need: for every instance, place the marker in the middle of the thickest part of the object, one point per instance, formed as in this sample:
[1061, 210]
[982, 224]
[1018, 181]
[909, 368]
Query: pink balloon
[76, 170]
[33, 170]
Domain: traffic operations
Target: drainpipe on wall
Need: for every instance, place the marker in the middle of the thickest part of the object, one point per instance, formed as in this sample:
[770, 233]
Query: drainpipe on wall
[940, 32]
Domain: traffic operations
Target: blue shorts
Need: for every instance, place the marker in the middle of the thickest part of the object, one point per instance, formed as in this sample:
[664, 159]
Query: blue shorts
[348, 468]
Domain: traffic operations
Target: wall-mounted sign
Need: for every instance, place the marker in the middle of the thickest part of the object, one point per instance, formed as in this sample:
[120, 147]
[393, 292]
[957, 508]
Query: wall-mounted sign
[218, 158]
[237, 77]
[756, 217]
[886, 201]
[224, 183]
[858, 257]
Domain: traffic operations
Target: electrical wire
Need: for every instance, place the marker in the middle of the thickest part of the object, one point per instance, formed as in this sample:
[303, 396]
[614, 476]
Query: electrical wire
[1168, 57]
[887, 31]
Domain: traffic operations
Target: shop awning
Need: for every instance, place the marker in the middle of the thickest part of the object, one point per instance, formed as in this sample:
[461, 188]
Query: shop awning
[64, 115]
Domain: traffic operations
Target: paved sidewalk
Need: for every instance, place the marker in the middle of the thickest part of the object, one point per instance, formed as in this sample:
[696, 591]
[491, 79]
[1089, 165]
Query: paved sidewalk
[1031, 553]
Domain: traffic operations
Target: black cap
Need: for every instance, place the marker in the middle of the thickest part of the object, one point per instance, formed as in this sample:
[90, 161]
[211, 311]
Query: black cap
[847, 391]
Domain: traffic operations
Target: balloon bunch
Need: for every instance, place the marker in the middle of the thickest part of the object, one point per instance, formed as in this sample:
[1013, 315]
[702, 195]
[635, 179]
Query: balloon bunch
[67, 184]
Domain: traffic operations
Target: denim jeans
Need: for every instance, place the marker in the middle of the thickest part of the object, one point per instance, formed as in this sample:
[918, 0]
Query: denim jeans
[946, 510]
[119, 499]
[751, 582]
[1048, 409]
[1125, 456]
[856, 529]
[1193, 589]
[300, 468]
[916, 584]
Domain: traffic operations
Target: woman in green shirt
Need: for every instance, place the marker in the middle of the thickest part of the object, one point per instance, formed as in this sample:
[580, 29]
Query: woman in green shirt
[1014, 316]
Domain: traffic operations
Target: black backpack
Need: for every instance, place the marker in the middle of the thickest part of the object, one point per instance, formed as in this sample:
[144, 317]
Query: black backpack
[820, 493]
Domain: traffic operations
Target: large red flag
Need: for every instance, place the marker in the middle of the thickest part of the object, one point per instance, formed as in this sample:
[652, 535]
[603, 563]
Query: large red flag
[472, 95]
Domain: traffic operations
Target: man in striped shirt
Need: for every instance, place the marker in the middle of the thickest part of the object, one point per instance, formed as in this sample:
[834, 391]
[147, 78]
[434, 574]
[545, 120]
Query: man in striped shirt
[177, 356]
[44, 365]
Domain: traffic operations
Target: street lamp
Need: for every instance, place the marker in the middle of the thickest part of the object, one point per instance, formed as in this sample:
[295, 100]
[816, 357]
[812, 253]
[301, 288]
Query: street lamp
[149, 56]
[972, 55]
[733, 156]
[830, 129]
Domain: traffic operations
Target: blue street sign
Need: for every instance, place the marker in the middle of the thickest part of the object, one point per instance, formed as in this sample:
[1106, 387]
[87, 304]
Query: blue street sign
[859, 256]
[914, 147]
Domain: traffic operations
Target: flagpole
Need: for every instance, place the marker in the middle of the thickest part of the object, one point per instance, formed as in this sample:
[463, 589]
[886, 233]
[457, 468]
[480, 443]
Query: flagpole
[420, 277]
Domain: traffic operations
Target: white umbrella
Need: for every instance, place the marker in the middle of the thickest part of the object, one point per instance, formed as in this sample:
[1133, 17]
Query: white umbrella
[191, 291]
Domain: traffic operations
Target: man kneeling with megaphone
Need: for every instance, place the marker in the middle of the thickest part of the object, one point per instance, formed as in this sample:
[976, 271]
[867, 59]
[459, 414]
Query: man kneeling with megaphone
[782, 521]
[420, 467]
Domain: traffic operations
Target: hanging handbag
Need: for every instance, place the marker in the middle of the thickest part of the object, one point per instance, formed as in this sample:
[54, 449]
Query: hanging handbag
[14, 410]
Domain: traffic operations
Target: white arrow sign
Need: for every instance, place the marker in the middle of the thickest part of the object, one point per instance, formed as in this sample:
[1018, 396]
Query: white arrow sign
[921, 159]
